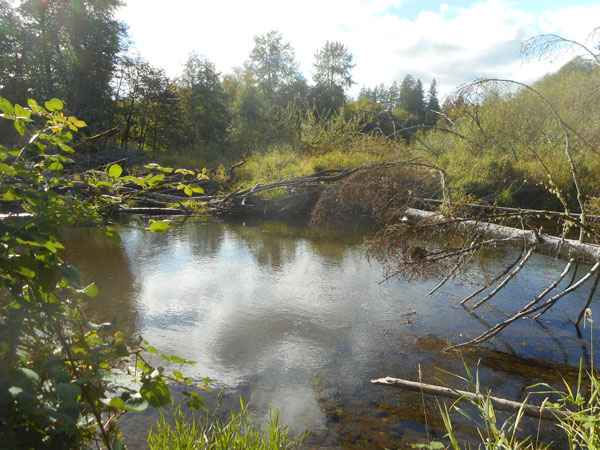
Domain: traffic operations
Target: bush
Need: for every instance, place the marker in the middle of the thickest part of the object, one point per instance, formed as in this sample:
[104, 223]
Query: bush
[63, 379]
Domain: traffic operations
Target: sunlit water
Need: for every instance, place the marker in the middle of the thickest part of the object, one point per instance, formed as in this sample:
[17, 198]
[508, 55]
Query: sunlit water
[302, 324]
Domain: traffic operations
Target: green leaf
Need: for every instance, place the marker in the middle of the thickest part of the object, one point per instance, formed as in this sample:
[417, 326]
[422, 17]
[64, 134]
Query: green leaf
[115, 171]
[177, 359]
[6, 107]
[22, 112]
[35, 107]
[68, 391]
[136, 180]
[152, 350]
[66, 148]
[156, 179]
[136, 404]
[117, 444]
[159, 225]
[115, 402]
[8, 170]
[30, 374]
[112, 234]
[156, 392]
[53, 246]
[54, 104]
[91, 290]
[20, 127]
[55, 165]
[188, 191]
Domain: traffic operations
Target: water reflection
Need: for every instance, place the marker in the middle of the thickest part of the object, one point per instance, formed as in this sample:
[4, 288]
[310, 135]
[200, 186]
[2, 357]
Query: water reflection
[103, 262]
[301, 323]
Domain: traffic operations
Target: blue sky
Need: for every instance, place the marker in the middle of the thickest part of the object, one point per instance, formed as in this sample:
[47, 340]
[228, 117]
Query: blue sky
[410, 9]
[452, 41]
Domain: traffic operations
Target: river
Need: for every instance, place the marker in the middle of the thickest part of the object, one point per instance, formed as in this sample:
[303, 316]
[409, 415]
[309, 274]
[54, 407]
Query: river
[299, 322]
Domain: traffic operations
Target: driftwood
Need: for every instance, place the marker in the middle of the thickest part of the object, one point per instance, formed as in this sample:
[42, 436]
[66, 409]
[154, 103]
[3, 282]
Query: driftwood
[543, 243]
[499, 403]
[490, 234]
[303, 192]
[520, 211]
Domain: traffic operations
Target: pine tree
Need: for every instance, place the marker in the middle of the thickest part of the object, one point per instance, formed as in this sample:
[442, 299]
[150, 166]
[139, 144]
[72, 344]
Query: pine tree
[433, 105]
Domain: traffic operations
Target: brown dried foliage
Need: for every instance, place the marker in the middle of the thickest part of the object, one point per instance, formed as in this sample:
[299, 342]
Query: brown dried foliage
[379, 194]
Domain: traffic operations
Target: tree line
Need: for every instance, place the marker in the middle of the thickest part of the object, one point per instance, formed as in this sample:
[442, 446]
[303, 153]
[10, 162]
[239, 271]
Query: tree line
[77, 51]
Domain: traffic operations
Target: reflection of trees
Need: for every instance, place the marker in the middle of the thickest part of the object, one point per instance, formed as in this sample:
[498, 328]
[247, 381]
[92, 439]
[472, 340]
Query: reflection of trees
[273, 243]
[268, 244]
[204, 240]
[103, 262]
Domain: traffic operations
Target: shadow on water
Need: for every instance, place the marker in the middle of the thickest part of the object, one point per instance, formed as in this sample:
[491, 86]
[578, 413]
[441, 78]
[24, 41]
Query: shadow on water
[105, 263]
[300, 322]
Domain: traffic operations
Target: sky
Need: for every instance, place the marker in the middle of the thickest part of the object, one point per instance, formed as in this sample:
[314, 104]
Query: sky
[451, 41]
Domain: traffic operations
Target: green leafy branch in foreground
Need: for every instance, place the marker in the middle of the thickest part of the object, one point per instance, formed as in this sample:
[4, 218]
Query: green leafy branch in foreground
[63, 379]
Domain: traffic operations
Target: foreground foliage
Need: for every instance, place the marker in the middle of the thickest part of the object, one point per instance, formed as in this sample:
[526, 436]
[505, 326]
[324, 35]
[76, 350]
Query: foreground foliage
[213, 432]
[63, 379]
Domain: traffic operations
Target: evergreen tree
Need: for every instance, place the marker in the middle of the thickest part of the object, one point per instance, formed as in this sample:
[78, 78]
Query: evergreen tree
[406, 89]
[394, 96]
[412, 97]
[433, 105]
[418, 101]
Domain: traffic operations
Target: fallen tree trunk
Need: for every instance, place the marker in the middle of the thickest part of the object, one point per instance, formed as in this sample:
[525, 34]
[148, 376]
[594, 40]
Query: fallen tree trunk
[544, 243]
[522, 211]
[499, 403]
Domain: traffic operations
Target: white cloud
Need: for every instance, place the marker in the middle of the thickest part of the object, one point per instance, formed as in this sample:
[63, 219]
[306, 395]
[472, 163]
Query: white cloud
[483, 39]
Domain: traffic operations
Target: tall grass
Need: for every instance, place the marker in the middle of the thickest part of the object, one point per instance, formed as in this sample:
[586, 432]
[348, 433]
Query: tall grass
[184, 431]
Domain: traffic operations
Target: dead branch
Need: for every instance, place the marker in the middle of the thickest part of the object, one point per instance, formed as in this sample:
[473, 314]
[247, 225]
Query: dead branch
[504, 282]
[525, 312]
[89, 141]
[499, 403]
[589, 299]
[493, 280]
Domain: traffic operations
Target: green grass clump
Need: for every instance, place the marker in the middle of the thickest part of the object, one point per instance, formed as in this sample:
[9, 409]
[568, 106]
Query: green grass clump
[183, 431]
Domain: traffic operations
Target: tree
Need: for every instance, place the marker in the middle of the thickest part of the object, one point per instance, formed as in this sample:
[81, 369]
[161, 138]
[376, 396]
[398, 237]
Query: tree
[273, 64]
[433, 105]
[62, 49]
[204, 101]
[333, 66]
[63, 380]
[411, 97]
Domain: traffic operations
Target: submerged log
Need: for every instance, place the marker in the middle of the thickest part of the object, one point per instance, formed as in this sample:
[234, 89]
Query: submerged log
[499, 403]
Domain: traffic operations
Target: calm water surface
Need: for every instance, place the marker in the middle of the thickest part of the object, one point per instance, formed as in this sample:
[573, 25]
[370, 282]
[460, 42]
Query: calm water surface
[302, 323]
